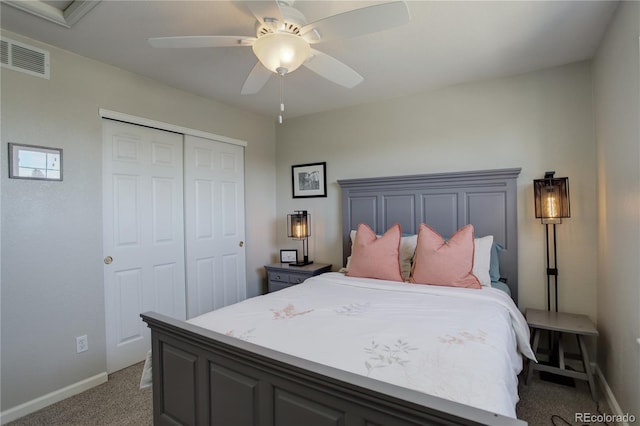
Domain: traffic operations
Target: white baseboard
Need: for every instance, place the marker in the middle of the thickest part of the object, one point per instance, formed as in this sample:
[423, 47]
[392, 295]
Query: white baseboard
[51, 398]
[608, 393]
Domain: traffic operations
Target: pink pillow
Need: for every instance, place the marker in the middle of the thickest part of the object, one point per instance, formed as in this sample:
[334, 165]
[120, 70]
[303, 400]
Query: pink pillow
[445, 263]
[373, 257]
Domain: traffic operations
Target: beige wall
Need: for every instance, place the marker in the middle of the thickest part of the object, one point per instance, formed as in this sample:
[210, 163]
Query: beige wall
[52, 282]
[617, 92]
[538, 121]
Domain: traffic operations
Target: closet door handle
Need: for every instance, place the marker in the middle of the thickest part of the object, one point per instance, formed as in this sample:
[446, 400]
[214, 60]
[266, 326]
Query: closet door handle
[241, 244]
[108, 260]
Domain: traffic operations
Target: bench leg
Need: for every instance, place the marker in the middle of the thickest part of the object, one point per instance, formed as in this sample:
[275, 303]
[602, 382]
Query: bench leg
[536, 341]
[587, 367]
[561, 352]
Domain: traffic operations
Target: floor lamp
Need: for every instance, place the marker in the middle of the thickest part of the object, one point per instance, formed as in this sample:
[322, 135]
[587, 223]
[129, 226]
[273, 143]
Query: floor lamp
[551, 197]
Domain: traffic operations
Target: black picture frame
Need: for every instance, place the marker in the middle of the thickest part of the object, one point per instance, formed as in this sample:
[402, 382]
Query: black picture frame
[309, 180]
[288, 256]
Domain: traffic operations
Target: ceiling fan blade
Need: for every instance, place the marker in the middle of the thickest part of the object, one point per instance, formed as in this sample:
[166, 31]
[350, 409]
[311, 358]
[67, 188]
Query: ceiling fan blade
[201, 41]
[332, 69]
[256, 80]
[265, 10]
[357, 22]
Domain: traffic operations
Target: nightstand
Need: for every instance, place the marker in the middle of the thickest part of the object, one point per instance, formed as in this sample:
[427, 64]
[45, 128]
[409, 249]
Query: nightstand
[579, 326]
[283, 275]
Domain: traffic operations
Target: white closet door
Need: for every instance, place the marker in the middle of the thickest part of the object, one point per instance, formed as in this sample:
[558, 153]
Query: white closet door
[143, 235]
[214, 224]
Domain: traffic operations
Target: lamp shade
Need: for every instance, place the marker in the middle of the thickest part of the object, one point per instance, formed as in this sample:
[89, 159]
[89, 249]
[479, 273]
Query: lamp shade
[281, 50]
[299, 224]
[551, 197]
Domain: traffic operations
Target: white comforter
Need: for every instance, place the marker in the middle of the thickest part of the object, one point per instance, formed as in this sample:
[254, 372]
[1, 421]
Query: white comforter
[459, 344]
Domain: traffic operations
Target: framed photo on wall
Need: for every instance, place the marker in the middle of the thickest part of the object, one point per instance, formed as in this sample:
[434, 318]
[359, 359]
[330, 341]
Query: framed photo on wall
[309, 180]
[288, 256]
[34, 162]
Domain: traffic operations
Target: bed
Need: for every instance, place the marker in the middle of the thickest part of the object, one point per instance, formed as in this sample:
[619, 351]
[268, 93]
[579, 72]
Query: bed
[288, 358]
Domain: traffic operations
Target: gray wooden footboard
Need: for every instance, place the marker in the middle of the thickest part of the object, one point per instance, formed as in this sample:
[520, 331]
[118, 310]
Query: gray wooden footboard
[205, 378]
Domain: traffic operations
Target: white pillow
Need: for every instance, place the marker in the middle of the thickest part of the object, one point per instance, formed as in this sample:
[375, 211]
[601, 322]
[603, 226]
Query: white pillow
[352, 238]
[407, 251]
[482, 259]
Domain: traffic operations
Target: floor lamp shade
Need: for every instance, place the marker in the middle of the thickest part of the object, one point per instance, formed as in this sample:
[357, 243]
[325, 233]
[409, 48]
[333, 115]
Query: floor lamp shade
[551, 197]
[299, 228]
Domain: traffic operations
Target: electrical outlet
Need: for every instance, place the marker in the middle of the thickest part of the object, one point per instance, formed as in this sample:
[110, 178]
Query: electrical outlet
[82, 344]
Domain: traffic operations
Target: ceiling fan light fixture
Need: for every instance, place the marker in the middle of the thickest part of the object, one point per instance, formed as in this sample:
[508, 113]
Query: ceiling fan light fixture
[281, 50]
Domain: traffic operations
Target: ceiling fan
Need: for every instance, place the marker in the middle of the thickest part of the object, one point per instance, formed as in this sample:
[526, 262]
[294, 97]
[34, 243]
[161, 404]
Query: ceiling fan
[283, 39]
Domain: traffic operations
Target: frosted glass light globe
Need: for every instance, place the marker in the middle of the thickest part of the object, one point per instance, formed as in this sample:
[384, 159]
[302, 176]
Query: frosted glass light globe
[281, 50]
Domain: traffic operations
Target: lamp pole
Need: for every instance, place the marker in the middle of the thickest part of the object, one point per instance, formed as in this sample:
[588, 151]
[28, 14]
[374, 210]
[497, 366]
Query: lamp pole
[552, 271]
[305, 251]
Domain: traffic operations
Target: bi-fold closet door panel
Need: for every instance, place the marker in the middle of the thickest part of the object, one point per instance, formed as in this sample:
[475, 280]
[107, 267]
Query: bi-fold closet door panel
[173, 231]
[143, 235]
[214, 206]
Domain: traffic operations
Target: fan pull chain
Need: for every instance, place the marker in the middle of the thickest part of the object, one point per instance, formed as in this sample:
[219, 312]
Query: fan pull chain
[281, 72]
[281, 98]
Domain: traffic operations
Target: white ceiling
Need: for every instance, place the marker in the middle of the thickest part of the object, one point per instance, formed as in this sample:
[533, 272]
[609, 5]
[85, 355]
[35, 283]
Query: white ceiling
[446, 42]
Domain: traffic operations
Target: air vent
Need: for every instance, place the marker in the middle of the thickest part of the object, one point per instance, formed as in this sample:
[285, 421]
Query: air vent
[24, 58]
[4, 52]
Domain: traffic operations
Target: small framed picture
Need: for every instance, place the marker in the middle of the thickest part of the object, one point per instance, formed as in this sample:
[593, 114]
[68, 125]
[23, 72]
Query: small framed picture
[288, 256]
[34, 162]
[309, 180]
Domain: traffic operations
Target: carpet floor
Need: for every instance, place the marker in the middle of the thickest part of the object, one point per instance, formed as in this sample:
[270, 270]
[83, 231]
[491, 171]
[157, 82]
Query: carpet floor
[118, 402]
[121, 402]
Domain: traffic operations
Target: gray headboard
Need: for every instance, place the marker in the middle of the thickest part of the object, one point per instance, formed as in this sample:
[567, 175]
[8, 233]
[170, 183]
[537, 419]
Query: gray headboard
[445, 201]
